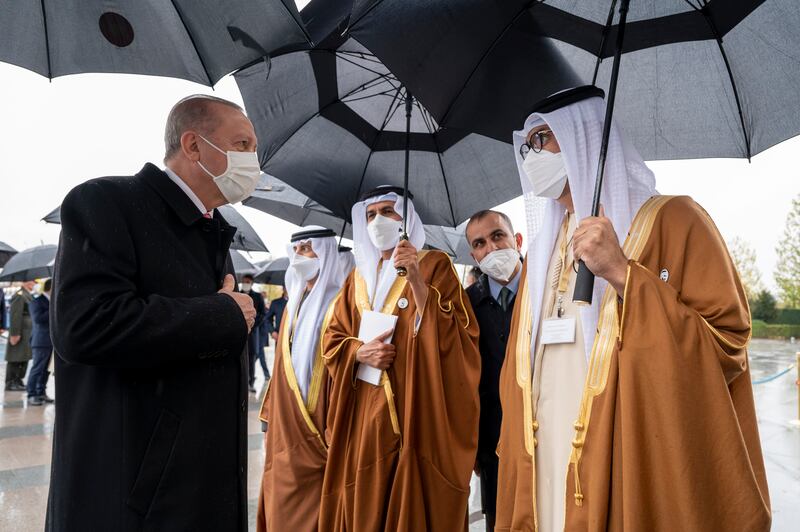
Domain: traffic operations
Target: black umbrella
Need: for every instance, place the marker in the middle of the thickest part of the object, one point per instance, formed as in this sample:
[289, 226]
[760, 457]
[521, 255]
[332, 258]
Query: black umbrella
[287, 203]
[332, 124]
[274, 272]
[245, 239]
[241, 265]
[188, 39]
[701, 78]
[6, 252]
[32, 263]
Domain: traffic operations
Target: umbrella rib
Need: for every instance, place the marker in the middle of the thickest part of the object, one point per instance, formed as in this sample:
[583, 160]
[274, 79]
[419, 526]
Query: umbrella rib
[46, 41]
[441, 165]
[194, 44]
[733, 81]
[313, 116]
[386, 119]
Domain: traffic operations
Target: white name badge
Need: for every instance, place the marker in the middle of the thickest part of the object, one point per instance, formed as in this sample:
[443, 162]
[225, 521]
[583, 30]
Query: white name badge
[558, 331]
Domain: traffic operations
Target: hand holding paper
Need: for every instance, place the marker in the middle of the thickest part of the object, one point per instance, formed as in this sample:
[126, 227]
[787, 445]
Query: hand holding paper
[377, 353]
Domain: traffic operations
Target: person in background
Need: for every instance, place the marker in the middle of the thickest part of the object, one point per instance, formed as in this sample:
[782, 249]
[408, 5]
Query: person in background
[254, 350]
[41, 346]
[496, 247]
[473, 274]
[20, 326]
[275, 314]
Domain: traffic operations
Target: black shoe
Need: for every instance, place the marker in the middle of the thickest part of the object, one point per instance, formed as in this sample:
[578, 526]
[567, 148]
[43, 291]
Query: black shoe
[36, 400]
[15, 387]
[47, 399]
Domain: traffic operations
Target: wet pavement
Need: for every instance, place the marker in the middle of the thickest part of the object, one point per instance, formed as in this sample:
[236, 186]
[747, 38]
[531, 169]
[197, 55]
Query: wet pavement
[26, 439]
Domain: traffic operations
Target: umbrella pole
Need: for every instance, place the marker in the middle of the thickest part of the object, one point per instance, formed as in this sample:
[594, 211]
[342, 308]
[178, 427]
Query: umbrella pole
[584, 283]
[401, 271]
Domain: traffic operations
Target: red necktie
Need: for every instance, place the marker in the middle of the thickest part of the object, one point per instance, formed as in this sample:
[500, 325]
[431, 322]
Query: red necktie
[207, 215]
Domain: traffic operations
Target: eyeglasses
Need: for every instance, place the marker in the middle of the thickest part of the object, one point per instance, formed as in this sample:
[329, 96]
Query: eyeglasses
[537, 142]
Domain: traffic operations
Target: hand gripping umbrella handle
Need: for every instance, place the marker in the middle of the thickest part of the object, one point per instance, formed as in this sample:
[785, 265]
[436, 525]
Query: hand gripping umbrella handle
[401, 270]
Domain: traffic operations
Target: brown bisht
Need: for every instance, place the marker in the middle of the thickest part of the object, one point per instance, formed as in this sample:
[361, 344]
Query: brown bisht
[666, 437]
[296, 450]
[401, 454]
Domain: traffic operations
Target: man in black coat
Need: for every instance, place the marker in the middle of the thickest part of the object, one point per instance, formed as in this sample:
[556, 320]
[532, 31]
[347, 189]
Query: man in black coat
[495, 247]
[254, 349]
[150, 427]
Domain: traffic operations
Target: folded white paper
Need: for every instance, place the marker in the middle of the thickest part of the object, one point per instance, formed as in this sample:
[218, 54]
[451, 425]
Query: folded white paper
[373, 324]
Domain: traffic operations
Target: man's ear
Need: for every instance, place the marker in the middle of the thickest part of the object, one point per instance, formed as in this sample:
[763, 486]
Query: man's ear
[518, 238]
[189, 146]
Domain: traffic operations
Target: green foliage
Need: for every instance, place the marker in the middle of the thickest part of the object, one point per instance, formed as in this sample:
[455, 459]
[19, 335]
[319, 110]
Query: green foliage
[787, 271]
[790, 316]
[765, 330]
[763, 308]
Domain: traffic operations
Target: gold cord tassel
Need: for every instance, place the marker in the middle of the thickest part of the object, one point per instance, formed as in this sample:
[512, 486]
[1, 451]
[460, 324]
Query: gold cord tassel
[578, 492]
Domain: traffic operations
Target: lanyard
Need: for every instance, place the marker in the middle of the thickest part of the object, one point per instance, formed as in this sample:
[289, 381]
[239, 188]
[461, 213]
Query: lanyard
[564, 268]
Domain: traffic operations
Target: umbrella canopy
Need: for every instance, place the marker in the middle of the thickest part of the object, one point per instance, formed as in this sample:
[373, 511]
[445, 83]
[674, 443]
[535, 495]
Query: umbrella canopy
[698, 79]
[32, 263]
[197, 41]
[6, 252]
[246, 238]
[241, 265]
[287, 203]
[274, 272]
[331, 123]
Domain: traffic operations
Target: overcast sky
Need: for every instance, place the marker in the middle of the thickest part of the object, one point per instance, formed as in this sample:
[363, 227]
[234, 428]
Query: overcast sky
[55, 135]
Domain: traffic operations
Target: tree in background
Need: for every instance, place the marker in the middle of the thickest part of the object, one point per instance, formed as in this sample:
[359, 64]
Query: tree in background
[787, 271]
[764, 307]
[744, 258]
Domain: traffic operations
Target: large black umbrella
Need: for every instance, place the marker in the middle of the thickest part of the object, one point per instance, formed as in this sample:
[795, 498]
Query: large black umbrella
[698, 79]
[30, 264]
[274, 272]
[332, 124]
[287, 203]
[701, 79]
[196, 40]
[245, 239]
[6, 252]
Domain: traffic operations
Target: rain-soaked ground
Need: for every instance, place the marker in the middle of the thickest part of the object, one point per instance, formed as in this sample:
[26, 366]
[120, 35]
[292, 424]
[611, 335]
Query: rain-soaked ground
[26, 439]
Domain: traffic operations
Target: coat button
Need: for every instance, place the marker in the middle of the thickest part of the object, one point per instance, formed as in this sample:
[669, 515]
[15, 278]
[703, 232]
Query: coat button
[577, 443]
[578, 426]
[535, 426]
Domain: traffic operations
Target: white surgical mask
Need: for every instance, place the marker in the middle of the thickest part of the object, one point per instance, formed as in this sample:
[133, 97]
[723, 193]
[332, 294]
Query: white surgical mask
[240, 178]
[384, 232]
[246, 287]
[500, 264]
[305, 267]
[546, 173]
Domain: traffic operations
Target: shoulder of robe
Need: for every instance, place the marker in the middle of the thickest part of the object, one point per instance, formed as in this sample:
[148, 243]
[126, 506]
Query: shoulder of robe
[435, 262]
[681, 213]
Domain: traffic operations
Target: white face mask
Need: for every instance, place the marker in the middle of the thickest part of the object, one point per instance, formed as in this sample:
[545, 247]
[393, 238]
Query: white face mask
[240, 178]
[384, 233]
[246, 287]
[500, 264]
[305, 267]
[546, 173]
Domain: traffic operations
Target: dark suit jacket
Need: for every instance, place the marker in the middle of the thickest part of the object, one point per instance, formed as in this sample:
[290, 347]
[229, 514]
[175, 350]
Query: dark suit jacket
[150, 430]
[275, 314]
[495, 325]
[40, 315]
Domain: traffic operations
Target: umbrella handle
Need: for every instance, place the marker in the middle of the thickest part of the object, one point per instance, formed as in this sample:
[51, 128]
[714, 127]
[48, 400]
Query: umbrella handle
[584, 285]
[401, 270]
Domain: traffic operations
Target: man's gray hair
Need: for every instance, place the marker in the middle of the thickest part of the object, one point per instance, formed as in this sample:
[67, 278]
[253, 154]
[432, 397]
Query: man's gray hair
[193, 112]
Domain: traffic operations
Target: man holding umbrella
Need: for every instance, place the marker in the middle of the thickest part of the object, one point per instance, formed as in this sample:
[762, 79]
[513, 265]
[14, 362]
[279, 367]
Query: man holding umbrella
[403, 419]
[635, 412]
[150, 428]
